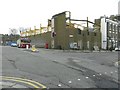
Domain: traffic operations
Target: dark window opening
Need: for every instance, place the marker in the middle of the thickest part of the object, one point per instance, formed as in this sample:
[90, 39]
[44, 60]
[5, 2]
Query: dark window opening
[94, 34]
[88, 33]
[79, 31]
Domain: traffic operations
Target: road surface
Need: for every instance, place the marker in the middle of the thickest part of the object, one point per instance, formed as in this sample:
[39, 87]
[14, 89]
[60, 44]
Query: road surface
[48, 68]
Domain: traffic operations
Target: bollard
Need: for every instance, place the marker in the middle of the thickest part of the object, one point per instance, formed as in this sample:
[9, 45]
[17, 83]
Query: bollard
[33, 48]
[27, 46]
[46, 45]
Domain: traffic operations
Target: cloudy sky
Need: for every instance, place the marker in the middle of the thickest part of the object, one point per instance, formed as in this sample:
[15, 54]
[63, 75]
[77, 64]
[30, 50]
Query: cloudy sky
[30, 13]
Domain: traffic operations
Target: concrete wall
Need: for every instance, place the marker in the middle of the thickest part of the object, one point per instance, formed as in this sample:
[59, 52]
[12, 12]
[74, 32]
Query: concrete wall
[60, 39]
[41, 39]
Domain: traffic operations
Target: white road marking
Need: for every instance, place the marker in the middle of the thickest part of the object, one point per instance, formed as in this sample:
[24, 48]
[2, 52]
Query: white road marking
[111, 72]
[70, 82]
[105, 72]
[86, 77]
[59, 85]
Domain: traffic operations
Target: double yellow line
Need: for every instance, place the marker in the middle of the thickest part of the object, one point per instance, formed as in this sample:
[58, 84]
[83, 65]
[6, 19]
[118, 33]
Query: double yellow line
[25, 81]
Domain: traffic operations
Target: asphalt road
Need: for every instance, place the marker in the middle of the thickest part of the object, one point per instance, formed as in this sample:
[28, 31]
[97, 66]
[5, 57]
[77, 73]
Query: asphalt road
[58, 69]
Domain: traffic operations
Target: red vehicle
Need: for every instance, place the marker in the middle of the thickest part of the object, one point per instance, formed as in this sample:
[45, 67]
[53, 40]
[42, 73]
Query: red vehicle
[24, 43]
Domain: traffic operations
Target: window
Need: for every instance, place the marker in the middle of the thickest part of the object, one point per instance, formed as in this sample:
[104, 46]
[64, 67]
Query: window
[88, 33]
[111, 26]
[109, 31]
[79, 31]
[114, 27]
[83, 34]
[94, 34]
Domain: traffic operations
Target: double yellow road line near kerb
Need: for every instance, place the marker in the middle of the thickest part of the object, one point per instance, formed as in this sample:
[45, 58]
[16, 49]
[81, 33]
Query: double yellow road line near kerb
[32, 83]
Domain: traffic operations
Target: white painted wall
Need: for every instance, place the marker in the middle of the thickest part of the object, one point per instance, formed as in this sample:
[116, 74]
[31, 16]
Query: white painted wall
[104, 33]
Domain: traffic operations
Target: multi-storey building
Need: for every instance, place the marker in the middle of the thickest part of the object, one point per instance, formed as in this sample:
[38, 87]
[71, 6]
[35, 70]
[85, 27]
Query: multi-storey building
[109, 31]
[119, 24]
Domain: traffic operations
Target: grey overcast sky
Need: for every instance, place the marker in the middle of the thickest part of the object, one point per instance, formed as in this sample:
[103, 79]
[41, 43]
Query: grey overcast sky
[30, 13]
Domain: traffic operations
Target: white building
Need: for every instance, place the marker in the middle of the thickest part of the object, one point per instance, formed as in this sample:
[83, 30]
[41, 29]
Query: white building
[109, 30]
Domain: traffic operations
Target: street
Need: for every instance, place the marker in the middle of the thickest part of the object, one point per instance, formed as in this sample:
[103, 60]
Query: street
[49, 68]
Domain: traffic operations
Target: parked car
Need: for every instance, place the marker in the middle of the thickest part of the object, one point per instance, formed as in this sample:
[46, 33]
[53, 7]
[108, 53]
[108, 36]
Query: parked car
[13, 44]
[117, 49]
